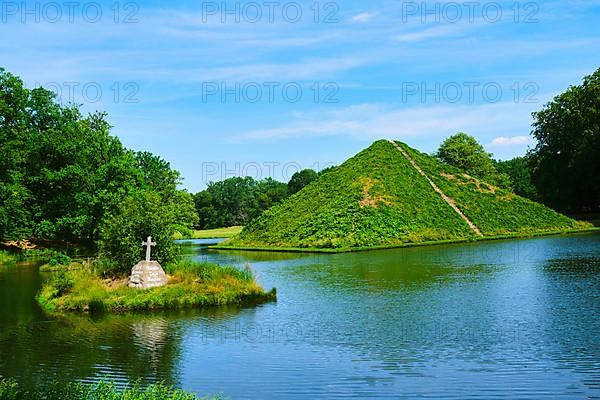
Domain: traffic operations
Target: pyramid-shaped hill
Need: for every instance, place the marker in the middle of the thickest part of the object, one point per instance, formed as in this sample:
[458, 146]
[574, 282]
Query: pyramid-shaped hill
[390, 195]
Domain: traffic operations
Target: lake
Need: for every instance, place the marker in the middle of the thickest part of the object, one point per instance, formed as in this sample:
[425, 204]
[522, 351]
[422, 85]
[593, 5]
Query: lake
[515, 318]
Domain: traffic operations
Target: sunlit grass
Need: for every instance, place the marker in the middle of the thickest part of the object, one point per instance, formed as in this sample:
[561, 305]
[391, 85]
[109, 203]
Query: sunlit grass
[7, 258]
[191, 284]
[214, 233]
[379, 199]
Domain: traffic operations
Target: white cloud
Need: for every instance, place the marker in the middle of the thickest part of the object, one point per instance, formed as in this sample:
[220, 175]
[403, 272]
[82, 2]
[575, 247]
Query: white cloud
[511, 141]
[431, 33]
[377, 121]
[363, 17]
[316, 68]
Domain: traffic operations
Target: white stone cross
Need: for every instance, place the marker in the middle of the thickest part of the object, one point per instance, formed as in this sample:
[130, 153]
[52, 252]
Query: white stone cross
[149, 243]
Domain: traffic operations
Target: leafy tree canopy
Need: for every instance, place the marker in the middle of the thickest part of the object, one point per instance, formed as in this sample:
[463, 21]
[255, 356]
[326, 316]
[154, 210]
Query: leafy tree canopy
[301, 179]
[63, 176]
[465, 152]
[236, 201]
[518, 171]
[566, 159]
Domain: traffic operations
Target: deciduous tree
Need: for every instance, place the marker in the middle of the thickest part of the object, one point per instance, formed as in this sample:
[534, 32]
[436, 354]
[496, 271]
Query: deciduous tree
[566, 159]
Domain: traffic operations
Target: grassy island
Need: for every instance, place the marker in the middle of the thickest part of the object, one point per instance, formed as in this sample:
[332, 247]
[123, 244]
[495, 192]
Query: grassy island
[390, 195]
[80, 287]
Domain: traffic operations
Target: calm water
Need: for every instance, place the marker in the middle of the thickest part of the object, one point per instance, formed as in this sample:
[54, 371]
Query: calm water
[517, 319]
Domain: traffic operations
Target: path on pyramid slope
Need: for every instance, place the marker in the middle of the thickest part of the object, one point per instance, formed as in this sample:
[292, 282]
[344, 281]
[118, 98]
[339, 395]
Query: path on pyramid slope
[495, 211]
[447, 199]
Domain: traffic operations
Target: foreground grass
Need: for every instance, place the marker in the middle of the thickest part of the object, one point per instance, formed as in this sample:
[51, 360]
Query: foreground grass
[11, 390]
[191, 284]
[214, 233]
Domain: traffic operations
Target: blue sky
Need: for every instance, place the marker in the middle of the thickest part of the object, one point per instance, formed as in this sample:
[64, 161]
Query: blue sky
[265, 88]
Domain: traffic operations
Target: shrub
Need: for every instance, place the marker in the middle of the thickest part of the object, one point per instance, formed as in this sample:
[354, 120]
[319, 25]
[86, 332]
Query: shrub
[59, 259]
[62, 283]
[141, 215]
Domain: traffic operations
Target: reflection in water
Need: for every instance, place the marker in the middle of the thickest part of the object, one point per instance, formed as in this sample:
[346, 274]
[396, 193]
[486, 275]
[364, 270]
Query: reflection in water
[150, 336]
[495, 319]
[573, 280]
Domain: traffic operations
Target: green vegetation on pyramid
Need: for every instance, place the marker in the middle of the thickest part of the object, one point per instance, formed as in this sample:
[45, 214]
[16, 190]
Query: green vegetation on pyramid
[378, 198]
[493, 210]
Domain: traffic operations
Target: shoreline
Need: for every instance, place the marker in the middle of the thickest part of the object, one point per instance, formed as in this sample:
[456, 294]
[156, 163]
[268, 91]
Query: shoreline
[217, 233]
[404, 245]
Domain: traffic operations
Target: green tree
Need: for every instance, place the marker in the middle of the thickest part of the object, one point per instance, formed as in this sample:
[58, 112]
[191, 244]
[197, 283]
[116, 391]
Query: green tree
[184, 211]
[157, 172]
[268, 193]
[15, 198]
[237, 201]
[139, 215]
[234, 199]
[519, 172]
[566, 159]
[301, 179]
[465, 152]
[78, 172]
[62, 173]
[53, 181]
[207, 213]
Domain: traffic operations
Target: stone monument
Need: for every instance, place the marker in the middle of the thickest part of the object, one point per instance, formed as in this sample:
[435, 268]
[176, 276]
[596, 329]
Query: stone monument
[147, 274]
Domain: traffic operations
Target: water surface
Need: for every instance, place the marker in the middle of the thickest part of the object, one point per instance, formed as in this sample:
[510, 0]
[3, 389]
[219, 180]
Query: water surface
[515, 319]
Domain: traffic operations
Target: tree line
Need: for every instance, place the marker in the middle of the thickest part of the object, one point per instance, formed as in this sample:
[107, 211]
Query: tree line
[238, 201]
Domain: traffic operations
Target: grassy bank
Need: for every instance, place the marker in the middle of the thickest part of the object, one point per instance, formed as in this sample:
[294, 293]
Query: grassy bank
[48, 256]
[11, 390]
[7, 258]
[191, 284]
[213, 233]
[227, 246]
